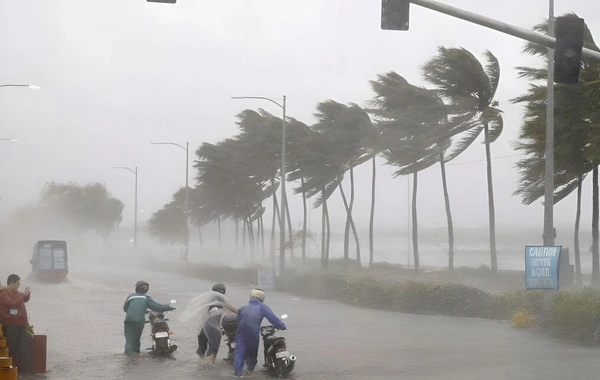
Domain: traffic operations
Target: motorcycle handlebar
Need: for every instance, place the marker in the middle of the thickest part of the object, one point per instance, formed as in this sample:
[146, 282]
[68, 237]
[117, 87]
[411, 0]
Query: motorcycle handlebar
[270, 327]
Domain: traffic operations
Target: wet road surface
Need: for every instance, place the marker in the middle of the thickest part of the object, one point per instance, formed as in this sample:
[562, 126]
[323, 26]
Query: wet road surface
[83, 321]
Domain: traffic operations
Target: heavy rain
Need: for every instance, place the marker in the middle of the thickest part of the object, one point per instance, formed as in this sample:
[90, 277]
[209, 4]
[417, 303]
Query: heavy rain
[376, 177]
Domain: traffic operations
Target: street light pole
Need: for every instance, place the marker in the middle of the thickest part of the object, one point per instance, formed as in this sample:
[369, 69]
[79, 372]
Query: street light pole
[548, 235]
[187, 192]
[135, 229]
[283, 195]
[283, 176]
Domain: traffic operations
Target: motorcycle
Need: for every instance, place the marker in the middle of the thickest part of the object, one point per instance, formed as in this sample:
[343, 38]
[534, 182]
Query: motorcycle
[160, 333]
[228, 328]
[277, 358]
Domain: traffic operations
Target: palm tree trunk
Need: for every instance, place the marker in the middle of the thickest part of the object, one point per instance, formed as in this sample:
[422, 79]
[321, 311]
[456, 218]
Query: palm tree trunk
[578, 279]
[348, 214]
[448, 216]
[595, 256]
[219, 229]
[355, 233]
[244, 227]
[415, 232]
[492, 212]
[328, 234]
[262, 234]
[237, 238]
[351, 221]
[358, 258]
[251, 237]
[290, 232]
[304, 219]
[275, 217]
[200, 236]
[372, 217]
[323, 232]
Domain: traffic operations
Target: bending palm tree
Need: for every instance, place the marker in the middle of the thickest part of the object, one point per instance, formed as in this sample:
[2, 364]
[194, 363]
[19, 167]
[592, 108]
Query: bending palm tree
[464, 82]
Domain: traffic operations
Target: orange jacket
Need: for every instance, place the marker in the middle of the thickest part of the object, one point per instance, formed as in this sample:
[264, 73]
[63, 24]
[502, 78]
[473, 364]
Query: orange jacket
[12, 308]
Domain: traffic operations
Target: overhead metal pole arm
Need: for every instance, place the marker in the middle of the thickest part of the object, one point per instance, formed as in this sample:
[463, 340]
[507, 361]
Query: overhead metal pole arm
[169, 143]
[258, 97]
[528, 35]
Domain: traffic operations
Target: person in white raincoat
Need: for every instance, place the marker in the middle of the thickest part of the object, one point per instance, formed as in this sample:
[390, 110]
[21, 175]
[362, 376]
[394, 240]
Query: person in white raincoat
[206, 310]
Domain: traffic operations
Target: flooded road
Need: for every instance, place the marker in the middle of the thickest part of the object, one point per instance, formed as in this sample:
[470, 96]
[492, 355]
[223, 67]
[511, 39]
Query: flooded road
[83, 320]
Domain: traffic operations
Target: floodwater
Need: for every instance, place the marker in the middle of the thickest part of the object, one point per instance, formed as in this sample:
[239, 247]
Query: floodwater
[83, 321]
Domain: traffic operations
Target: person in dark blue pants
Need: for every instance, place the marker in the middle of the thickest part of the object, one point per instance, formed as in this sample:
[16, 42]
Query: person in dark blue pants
[247, 336]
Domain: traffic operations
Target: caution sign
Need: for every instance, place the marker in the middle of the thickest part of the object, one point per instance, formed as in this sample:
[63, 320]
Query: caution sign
[541, 267]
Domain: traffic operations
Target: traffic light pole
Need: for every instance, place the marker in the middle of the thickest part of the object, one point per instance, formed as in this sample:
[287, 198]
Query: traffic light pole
[548, 235]
[538, 38]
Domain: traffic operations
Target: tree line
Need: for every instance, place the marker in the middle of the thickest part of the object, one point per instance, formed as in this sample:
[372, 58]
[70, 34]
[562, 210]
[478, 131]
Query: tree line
[412, 127]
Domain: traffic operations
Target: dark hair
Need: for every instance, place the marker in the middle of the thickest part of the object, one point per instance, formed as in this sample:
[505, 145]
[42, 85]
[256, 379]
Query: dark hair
[219, 288]
[12, 279]
[142, 287]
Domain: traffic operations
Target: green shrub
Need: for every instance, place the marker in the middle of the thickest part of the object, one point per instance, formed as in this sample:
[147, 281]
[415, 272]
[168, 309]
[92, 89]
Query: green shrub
[571, 314]
[574, 314]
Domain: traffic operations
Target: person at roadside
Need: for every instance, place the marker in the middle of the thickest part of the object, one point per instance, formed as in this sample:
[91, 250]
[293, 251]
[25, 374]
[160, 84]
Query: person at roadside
[135, 307]
[14, 318]
[209, 307]
[247, 336]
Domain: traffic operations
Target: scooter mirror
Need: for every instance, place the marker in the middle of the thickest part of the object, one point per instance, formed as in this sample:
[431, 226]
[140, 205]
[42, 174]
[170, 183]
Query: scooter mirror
[284, 316]
[173, 302]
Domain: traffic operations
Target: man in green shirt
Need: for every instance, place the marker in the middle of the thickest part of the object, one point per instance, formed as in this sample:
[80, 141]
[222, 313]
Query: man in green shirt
[135, 308]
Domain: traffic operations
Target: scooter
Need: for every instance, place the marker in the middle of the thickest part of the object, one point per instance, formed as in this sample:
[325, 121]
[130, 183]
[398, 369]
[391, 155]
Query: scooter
[160, 333]
[228, 328]
[277, 358]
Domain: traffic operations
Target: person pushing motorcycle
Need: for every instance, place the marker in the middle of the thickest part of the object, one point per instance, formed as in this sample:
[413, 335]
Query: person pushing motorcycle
[247, 336]
[135, 307]
[206, 310]
[209, 338]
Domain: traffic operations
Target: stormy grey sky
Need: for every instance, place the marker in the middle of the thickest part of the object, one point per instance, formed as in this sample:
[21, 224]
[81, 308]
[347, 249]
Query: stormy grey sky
[117, 75]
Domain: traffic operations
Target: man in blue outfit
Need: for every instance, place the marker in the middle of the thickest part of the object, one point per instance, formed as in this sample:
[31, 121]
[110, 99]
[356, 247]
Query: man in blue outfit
[247, 336]
[135, 306]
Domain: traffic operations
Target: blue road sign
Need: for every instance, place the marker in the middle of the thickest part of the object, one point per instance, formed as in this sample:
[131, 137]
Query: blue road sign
[541, 267]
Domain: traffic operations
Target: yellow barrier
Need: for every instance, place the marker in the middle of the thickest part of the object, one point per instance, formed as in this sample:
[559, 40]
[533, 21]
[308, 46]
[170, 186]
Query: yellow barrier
[7, 371]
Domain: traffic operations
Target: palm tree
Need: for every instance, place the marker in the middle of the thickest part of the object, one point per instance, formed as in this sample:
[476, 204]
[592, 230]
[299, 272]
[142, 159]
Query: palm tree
[464, 82]
[226, 175]
[576, 138]
[320, 164]
[417, 128]
[347, 127]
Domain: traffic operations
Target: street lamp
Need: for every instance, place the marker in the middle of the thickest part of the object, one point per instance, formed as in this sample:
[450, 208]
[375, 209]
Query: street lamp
[135, 172]
[283, 195]
[187, 191]
[30, 86]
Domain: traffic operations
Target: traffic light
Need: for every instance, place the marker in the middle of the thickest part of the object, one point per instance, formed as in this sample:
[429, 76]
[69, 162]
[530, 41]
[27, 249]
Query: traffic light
[162, 1]
[395, 14]
[567, 55]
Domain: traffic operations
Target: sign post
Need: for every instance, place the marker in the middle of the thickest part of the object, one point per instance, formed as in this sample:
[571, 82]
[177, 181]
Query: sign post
[265, 278]
[541, 267]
